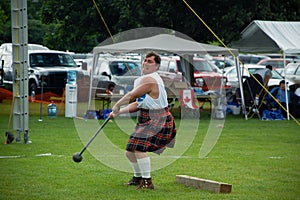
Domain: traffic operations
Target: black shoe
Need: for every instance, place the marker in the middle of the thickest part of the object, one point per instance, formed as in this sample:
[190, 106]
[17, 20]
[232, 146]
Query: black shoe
[146, 183]
[135, 181]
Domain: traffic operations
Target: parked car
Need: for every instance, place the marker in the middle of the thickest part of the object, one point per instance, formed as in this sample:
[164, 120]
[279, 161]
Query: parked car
[206, 74]
[292, 72]
[251, 58]
[6, 58]
[293, 57]
[118, 70]
[169, 70]
[7, 47]
[80, 58]
[276, 63]
[48, 68]
[231, 74]
[222, 62]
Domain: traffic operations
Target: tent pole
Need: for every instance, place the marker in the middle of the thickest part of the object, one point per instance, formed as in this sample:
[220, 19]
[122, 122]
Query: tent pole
[95, 62]
[238, 70]
[286, 88]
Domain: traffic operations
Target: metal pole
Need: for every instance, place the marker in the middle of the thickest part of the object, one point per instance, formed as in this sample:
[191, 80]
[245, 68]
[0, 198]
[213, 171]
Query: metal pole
[240, 78]
[20, 68]
[286, 88]
[41, 102]
[95, 63]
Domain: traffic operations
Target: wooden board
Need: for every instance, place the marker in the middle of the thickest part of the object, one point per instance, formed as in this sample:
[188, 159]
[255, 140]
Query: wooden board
[214, 186]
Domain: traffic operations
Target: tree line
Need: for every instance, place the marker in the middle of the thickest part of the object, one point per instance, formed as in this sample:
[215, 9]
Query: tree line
[76, 25]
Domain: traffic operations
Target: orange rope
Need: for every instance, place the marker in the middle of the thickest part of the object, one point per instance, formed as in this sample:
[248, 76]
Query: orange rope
[104, 21]
[236, 57]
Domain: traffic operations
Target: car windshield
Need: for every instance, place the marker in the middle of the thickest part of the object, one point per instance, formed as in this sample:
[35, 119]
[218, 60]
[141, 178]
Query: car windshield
[223, 63]
[51, 60]
[274, 64]
[199, 66]
[275, 74]
[202, 66]
[125, 68]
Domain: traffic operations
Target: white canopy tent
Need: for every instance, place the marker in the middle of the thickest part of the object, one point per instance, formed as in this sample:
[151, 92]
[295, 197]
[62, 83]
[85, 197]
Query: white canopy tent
[270, 36]
[164, 43]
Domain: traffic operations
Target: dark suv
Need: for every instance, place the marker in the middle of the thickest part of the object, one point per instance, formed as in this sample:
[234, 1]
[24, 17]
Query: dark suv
[50, 68]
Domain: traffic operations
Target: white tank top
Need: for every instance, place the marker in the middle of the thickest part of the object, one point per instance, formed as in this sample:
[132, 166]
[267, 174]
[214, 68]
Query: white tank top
[146, 101]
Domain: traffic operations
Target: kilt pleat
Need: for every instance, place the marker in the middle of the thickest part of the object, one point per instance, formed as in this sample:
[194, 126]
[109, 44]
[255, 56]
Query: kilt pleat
[155, 130]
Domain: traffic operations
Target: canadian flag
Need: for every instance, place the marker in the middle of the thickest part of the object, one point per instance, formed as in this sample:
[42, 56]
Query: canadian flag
[188, 99]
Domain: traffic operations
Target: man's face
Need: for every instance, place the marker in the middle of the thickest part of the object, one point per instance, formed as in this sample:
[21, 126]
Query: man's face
[282, 86]
[149, 65]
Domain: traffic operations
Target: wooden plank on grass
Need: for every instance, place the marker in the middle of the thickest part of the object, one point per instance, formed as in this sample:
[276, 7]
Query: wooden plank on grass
[214, 186]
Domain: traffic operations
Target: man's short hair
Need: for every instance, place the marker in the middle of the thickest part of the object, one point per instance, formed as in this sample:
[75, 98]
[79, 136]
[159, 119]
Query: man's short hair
[269, 67]
[281, 82]
[156, 56]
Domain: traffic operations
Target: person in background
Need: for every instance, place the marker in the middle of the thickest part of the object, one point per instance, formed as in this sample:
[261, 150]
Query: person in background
[265, 75]
[155, 129]
[295, 103]
[280, 97]
[258, 79]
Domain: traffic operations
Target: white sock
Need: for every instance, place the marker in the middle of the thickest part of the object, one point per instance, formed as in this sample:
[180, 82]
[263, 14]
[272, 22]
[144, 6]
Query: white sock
[144, 164]
[136, 169]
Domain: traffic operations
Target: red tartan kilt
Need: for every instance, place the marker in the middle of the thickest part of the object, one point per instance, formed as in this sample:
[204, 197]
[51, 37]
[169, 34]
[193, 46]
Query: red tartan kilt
[154, 131]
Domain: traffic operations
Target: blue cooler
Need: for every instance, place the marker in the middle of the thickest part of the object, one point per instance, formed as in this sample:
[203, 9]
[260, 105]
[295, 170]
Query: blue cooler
[52, 110]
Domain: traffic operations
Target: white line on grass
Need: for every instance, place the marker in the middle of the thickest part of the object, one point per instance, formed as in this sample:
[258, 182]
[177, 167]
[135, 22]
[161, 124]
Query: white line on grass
[18, 156]
[37, 155]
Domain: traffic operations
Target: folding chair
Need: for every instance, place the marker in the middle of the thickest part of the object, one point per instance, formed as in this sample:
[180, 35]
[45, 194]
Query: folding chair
[251, 88]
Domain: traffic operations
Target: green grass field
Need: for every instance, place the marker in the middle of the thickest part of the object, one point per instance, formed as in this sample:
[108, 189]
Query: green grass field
[260, 159]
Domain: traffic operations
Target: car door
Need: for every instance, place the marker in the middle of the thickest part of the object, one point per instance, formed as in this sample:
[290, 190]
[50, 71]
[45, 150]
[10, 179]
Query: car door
[296, 74]
[7, 68]
[292, 72]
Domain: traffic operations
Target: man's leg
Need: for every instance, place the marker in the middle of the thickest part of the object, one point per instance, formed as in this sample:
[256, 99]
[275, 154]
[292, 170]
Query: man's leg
[144, 163]
[137, 176]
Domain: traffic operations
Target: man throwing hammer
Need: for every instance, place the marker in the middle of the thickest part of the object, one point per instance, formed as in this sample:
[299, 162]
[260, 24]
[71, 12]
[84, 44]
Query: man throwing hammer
[155, 129]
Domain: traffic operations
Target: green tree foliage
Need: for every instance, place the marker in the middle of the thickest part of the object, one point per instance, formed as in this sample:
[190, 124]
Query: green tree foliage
[76, 25]
[5, 30]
